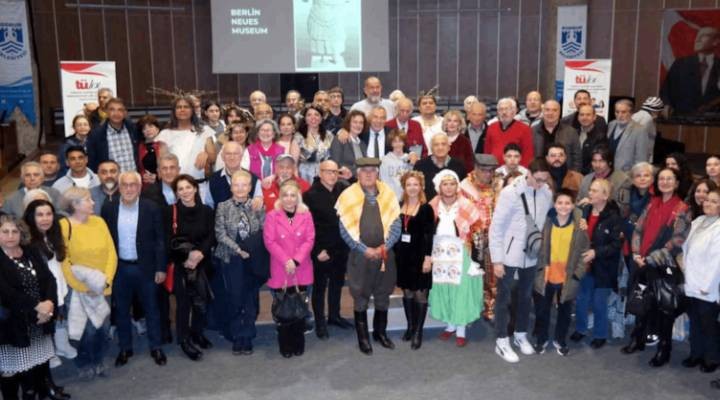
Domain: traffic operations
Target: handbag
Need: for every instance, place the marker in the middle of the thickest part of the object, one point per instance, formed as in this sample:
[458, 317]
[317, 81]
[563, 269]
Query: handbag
[667, 292]
[289, 307]
[533, 237]
[639, 300]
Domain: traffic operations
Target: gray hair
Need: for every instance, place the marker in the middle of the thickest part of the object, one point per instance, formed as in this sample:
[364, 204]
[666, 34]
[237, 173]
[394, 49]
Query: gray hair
[639, 167]
[510, 100]
[35, 194]
[72, 197]
[625, 102]
[133, 174]
[107, 90]
[28, 165]
[273, 124]
[170, 157]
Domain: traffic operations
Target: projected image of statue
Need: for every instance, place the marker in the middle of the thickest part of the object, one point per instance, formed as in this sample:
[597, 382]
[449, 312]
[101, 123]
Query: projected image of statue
[327, 35]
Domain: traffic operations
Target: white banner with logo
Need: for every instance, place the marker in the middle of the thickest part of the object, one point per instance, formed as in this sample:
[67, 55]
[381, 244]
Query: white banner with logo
[80, 82]
[571, 40]
[16, 80]
[591, 75]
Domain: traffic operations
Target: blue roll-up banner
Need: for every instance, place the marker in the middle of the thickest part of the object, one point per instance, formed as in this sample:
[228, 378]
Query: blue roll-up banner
[571, 40]
[16, 80]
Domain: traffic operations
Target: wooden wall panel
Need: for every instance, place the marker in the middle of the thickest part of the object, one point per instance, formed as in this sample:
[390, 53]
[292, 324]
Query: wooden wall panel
[509, 20]
[408, 30]
[713, 140]
[163, 52]
[623, 46]
[488, 48]
[530, 40]
[68, 32]
[427, 45]
[448, 48]
[139, 38]
[92, 26]
[203, 37]
[184, 46]
[468, 49]
[600, 26]
[389, 78]
[647, 56]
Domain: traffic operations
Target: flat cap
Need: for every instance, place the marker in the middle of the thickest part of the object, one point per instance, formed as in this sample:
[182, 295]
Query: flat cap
[367, 162]
[486, 160]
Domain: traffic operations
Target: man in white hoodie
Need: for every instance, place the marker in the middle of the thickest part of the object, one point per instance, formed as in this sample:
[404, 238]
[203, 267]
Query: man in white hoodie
[509, 257]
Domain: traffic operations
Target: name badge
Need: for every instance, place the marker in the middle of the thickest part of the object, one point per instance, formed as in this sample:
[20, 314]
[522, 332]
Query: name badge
[405, 238]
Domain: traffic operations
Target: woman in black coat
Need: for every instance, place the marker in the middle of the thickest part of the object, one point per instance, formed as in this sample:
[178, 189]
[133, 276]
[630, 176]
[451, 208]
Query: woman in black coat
[29, 295]
[191, 233]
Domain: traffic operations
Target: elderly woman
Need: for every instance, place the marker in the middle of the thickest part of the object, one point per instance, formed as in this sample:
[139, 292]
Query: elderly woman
[413, 254]
[29, 294]
[89, 268]
[454, 126]
[659, 234]
[345, 153]
[603, 259]
[313, 141]
[259, 157]
[456, 297]
[697, 195]
[238, 231]
[701, 258]
[190, 230]
[289, 235]
[560, 267]
[395, 163]
[81, 130]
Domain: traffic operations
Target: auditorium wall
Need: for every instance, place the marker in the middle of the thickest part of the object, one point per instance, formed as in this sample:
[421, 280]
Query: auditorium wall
[491, 48]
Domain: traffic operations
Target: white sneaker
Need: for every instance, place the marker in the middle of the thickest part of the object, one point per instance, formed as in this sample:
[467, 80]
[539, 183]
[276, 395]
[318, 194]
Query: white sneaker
[504, 350]
[520, 340]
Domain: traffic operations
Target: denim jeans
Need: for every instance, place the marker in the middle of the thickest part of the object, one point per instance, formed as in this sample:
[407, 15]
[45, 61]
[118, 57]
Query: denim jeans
[131, 281]
[526, 280]
[597, 298]
[93, 345]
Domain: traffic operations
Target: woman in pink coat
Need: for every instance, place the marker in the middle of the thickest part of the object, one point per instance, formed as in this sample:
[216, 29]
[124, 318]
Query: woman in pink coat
[289, 236]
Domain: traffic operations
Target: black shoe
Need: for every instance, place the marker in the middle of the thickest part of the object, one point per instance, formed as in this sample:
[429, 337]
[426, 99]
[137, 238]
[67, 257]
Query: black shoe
[248, 348]
[53, 391]
[321, 330]
[123, 357]
[419, 315]
[708, 367]
[361, 328]
[652, 340]
[691, 362]
[577, 336]
[662, 356]
[597, 343]
[237, 347]
[636, 344]
[158, 356]
[200, 340]
[287, 355]
[190, 350]
[299, 352]
[379, 329]
[340, 322]
[408, 307]
[309, 327]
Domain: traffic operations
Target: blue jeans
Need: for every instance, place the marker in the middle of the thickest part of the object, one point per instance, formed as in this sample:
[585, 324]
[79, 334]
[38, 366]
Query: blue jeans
[93, 345]
[597, 298]
[130, 280]
[526, 280]
[240, 288]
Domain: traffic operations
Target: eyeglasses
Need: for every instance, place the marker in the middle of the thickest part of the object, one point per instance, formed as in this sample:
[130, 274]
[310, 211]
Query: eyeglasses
[330, 171]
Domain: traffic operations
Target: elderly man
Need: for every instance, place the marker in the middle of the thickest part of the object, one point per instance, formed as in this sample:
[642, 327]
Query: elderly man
[330, 253]
[373, 98]
[468, 101]
[220, 180]
[414, 142]
[439, 160]
[628, 139]
[582, 97]
[549, 130]
[285, 169]
[78, 173]
[256, 98]
[96, 112]
[116, 139]
[533, 108]
[32, 178]
[50, 167]
[591, 135]
[136, 226]
[692, 83]
[263, 111]
[508, 130]
[107, 190]
[479, 188]
[336, 112]
[511, 260]
[322, 99]
[563, 177]
[646, 116]
[369, 216]
[376, 136]
[293, 102]
[476, 126]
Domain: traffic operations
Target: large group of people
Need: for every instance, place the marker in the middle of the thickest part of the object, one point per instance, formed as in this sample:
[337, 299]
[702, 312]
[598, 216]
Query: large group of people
[471, 218]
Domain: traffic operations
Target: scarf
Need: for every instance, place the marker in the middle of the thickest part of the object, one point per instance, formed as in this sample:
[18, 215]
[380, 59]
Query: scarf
[466, 217]
[659, 215]
[482, 196]
[349, 208]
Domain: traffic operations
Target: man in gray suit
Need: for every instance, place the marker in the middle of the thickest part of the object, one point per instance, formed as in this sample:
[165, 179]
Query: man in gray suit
[550, 130]
[32, 176]
[628, 140]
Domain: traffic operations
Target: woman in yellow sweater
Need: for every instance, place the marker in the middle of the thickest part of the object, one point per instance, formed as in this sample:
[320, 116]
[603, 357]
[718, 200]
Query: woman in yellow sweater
[89, 268]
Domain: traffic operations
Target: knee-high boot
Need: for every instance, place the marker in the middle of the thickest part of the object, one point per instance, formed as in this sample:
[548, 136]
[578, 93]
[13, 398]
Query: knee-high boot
[420, 314]
[409, 307]
[361, 327]
[380, 329]
[637, 337]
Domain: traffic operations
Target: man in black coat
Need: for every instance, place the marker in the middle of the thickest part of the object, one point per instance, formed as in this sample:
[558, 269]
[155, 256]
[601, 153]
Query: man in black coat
[330, 253]
[136, 227]
[116, 139]
[438, 161]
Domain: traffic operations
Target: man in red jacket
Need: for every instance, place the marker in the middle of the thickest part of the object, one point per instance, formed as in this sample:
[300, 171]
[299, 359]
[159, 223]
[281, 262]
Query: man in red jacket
[508, 130]
[285, 169]
[415, 141]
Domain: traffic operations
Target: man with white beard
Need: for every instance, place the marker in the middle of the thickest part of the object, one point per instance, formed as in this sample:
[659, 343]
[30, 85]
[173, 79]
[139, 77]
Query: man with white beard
[373, 97]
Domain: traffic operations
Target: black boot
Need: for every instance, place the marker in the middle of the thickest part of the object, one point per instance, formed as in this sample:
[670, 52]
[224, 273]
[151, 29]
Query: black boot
[662, 356]
[420, 314]
[49, 389]
[190, 350]
[409, 307]
[361, 327]
[321, 329]
[637, 340]
[379, 329]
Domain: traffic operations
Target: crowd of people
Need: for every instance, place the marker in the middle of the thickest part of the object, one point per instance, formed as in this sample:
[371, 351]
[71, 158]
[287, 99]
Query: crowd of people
[472, 218]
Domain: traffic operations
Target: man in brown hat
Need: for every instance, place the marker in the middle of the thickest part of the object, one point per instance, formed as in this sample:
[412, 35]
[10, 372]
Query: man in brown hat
[479, 188]
[369, 216]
